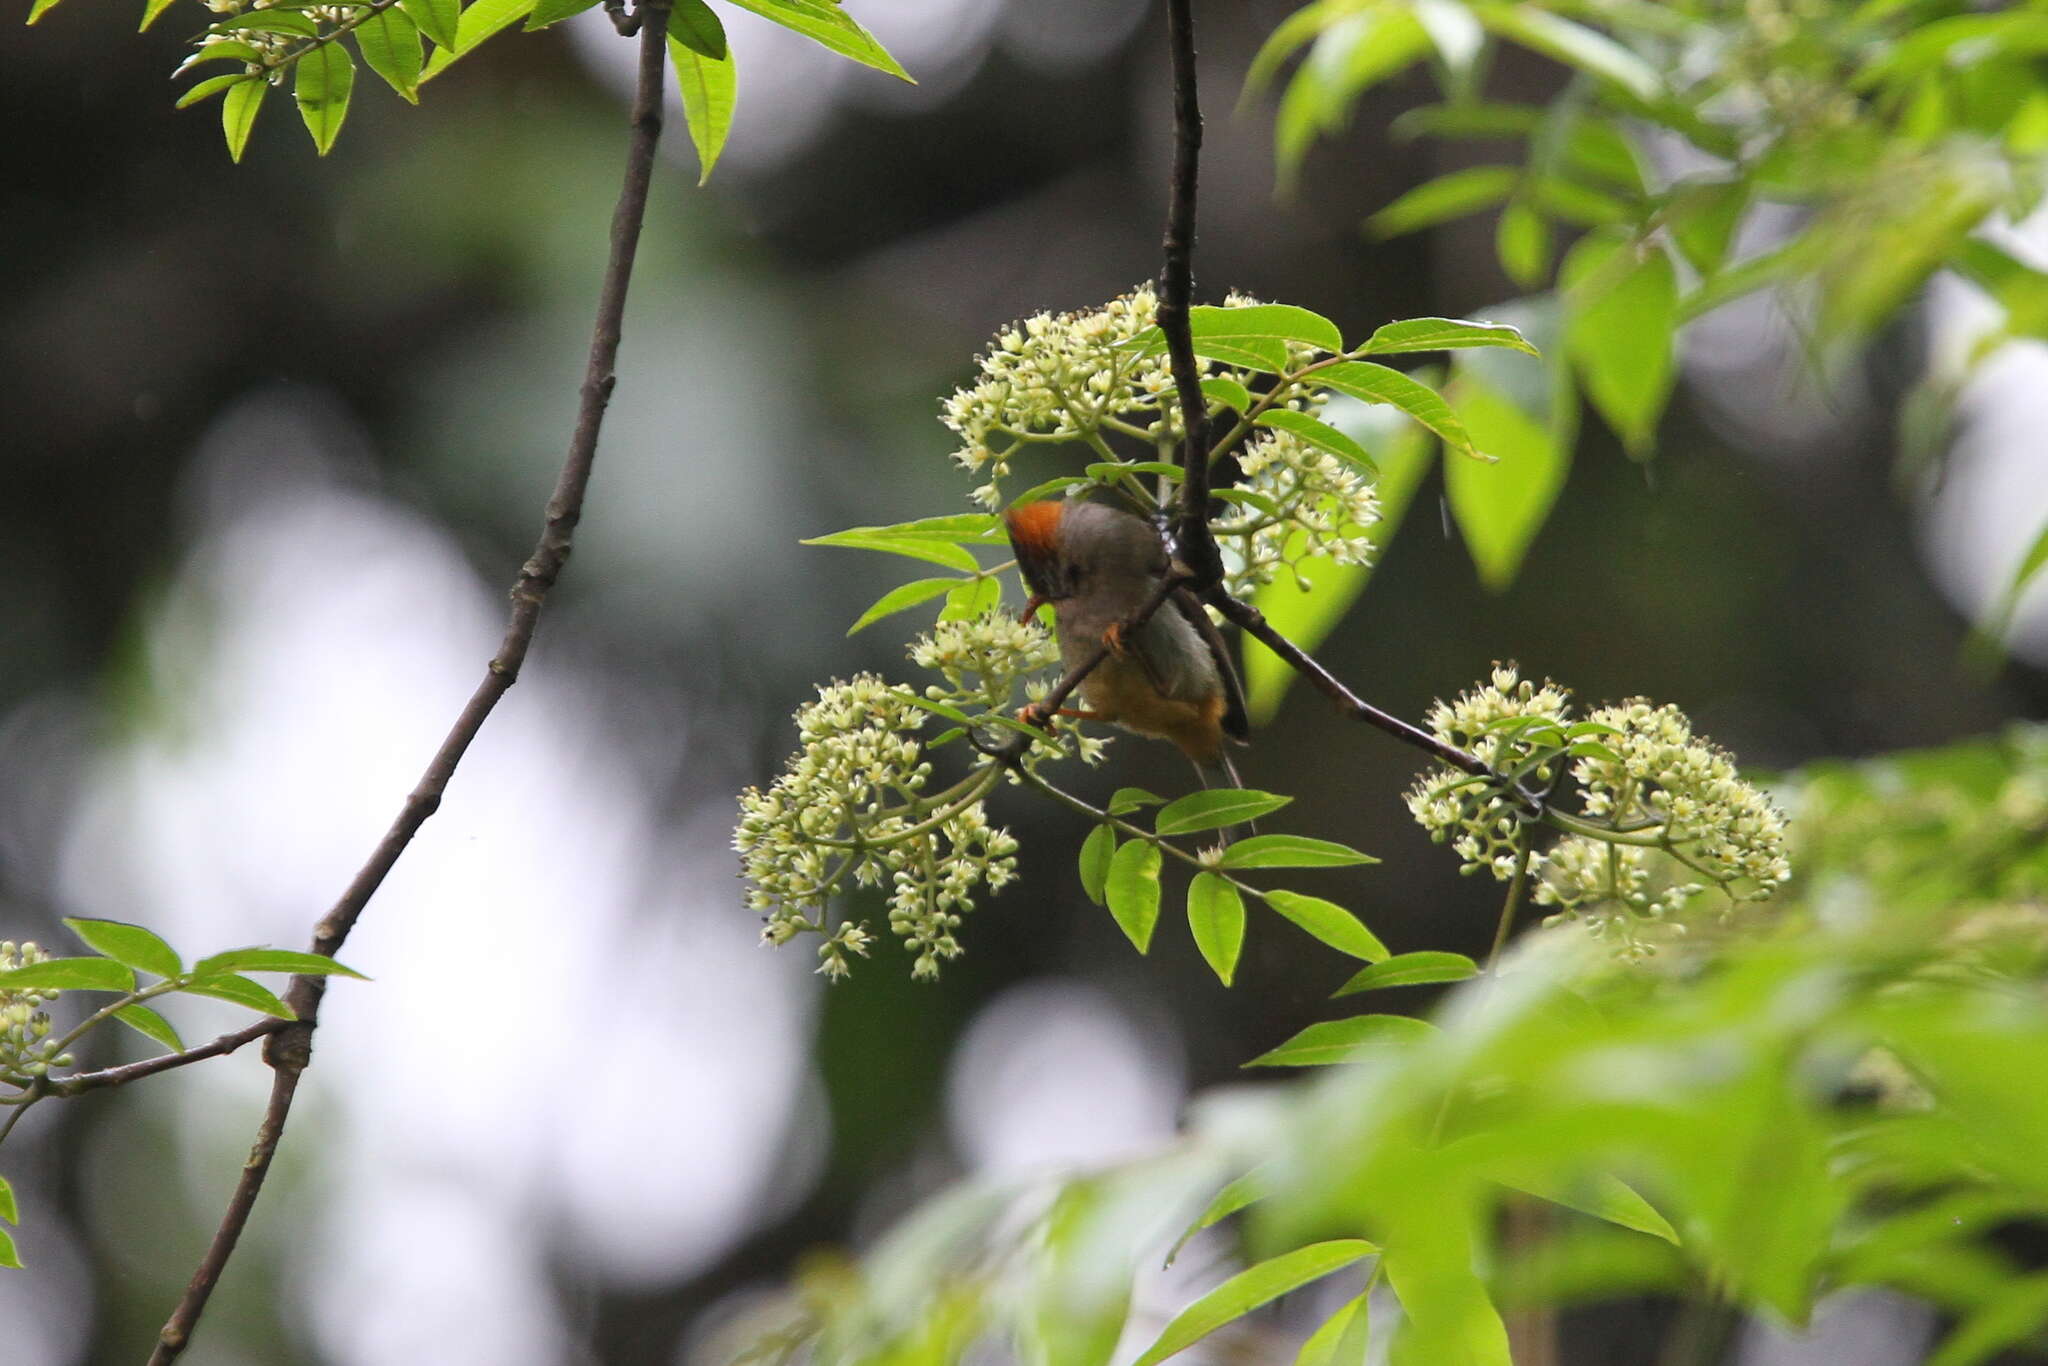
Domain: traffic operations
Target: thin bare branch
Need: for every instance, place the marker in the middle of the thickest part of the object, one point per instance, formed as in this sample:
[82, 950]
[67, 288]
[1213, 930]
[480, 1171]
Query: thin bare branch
[135, 1071]
[289, 1049]
[1253, 623]
[1195, 545]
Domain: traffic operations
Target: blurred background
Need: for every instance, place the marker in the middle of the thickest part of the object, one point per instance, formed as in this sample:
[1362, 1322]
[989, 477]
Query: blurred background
[276, 438]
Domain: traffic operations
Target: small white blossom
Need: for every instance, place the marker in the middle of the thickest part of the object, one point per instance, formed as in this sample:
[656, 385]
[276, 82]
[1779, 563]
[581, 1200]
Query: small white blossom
[1663, 815]
[852, 808]
[24, 1028]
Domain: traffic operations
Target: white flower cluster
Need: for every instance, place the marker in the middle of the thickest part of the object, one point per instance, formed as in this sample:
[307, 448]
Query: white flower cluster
[1481, 821]
[23, 1025]
[982, 657]
[1664, 815]
[851, 807]
[1660, 774]
[1067, 377]
[1595, 881]
[1056, 377]
[1320, 505]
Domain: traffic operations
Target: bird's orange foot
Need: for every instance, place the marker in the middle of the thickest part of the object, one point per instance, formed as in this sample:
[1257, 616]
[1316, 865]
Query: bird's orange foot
[1113, 639]
[1031, 714]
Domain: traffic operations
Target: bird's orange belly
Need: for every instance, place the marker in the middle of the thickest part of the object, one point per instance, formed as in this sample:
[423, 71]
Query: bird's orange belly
[1120, 691]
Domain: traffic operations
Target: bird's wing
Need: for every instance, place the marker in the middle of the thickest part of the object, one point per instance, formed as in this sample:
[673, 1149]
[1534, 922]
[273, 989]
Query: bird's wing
[1236, 724]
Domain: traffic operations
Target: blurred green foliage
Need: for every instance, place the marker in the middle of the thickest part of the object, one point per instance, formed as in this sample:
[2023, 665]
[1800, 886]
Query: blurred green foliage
[1764, 1114]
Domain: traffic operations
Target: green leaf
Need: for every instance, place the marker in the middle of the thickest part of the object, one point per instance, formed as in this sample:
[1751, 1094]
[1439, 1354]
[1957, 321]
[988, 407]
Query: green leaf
[150, 1025]
[1443, 334]
[390, 43]
[1342, 1339]
[1250, 1288]
[1621, 331]
[274, 960]
[1447, 1315]
[2008, 1315]
[1568, 201]
[1125, 800]
[70, 974]
[150, 11]
[1361, 48]
[238, 114]
[130, 944]
[37, 11]
[9, 1211]
[1057, 484]
[1103, 471]
[1227, 392]
[1254, 337]
[1251, 498]
[480, 22]
[1097, 852]
[934, 551]
[710, 87]
[1329, 922]
[935, 539]
[1228, 1201]
[828, 25]
[438, 19]
[326, 76]
[1703, 216]
[1132, 890]
[230, 51]
[546, 12]
[1216, 916]
[1290, 851]
[212, 85]
[1377, 383]
[1605, 1197]
[696, 26]
[902, 598]
[1573, 44]
[1500, 507]
[1320, 435]
[1522, 242]
[1264, 322]
[1446, 197]
[290, 23]
[1214, 807]
[981, 528]
[970, 598]
[1333, 1041]
[1410, 970]
[241, 991]
[8, 1256]
[2019, 287]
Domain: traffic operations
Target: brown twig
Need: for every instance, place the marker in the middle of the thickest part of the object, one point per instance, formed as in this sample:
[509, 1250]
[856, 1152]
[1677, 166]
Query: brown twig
[135, 1071]
[290, 1048]
[1194, 544]
[1253, 623]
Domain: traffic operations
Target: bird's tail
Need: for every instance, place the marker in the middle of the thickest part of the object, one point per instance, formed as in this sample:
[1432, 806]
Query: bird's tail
[1221, 772]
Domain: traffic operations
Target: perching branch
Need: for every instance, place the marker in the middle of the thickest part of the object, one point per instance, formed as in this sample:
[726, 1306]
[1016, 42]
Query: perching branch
[1196, 547]
[163, 1062]
[289, 1049]
[1253, 623]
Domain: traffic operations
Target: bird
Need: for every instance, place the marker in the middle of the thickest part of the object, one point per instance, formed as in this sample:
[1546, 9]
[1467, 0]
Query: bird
[1098, 566]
